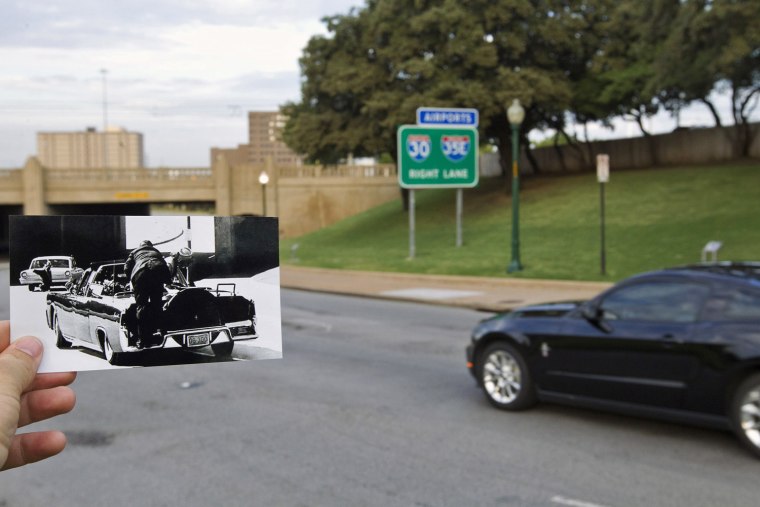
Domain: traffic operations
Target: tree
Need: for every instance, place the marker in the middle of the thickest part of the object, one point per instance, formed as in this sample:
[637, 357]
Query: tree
[381, 62]
[714, 45]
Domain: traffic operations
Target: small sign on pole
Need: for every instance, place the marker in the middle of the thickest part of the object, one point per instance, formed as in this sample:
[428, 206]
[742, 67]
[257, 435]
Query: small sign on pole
[603, 175]
[603, 168]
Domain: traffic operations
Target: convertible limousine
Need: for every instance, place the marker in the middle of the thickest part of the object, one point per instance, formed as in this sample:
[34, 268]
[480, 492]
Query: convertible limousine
[98, 312]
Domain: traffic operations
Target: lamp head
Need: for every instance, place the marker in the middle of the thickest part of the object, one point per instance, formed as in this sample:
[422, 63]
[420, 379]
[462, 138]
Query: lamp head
[263, 178]
[516, 113]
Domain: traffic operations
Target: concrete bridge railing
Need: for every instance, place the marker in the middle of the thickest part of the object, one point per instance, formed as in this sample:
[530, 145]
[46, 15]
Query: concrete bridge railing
[305, 198]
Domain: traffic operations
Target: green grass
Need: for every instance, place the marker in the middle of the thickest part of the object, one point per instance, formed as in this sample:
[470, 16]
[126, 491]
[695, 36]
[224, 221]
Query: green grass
[655, 218]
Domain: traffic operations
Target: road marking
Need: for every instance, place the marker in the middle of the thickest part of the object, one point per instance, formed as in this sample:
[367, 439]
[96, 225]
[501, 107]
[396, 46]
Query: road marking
[574, 503]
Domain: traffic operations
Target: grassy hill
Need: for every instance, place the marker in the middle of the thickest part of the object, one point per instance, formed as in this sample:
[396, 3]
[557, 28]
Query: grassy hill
[655, 218]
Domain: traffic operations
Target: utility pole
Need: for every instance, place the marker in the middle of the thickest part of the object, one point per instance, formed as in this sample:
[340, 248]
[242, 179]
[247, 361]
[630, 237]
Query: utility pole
[105, 118]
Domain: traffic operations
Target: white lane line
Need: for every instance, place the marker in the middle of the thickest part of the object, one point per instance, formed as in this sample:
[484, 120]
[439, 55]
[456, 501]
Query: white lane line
[574, 503]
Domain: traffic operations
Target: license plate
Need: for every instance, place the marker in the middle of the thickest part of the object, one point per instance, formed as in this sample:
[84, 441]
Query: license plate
[194, 340]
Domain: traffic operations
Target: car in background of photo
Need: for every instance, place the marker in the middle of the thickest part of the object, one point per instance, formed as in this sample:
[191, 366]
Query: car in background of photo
[681, 344]
[99, 313]
[62, 269]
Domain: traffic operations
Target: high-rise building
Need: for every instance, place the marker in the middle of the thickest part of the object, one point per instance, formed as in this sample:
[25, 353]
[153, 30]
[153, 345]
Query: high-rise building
[264, 142]
[90, 149]
[265, 139]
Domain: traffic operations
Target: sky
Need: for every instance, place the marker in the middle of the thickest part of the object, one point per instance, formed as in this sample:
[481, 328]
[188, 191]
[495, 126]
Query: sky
[184, 73]
[170, 233]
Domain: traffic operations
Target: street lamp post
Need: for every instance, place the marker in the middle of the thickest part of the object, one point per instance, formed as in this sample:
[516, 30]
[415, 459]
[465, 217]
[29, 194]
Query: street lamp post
[264, 179]
[515, 115]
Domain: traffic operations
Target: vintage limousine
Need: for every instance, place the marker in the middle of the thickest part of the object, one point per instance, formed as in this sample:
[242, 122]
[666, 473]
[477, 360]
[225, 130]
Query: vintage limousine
[99, 312]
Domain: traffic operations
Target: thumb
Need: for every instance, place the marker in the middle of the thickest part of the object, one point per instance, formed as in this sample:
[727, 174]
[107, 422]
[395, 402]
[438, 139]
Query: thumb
[18, 366]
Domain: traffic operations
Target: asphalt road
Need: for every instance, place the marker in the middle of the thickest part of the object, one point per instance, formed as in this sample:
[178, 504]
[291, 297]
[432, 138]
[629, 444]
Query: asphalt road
[371, 405]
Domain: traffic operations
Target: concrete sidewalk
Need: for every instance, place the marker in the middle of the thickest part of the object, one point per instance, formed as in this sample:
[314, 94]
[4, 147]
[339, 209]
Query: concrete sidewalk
[479, 293]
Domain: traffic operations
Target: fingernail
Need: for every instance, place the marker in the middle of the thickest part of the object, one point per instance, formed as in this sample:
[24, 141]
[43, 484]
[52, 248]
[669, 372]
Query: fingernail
[29, 345]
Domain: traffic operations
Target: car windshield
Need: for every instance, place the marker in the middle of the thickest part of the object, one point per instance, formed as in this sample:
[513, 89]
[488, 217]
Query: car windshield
[56, 263]
[109, 272]
[112, 278]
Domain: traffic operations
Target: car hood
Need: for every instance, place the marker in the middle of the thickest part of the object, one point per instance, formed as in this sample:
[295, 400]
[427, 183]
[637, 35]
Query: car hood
[542, 310]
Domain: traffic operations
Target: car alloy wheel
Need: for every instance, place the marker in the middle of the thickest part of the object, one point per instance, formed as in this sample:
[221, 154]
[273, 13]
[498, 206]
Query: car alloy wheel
[502, 377]
[505, 378]
[745, 413]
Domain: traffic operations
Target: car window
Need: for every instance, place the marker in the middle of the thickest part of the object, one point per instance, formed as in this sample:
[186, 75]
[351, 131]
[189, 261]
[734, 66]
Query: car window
[737, 305]
[656, 302]
[59, 263]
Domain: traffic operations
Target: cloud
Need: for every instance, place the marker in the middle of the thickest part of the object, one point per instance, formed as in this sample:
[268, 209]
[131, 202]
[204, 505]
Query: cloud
[129, 23]
[183, 72]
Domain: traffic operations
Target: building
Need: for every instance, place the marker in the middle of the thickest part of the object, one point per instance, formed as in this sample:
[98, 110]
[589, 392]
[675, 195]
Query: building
[90, 149]
[264, 141]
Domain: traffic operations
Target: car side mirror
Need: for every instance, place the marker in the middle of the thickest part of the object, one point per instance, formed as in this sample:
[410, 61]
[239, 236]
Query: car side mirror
[595, 315]
[591, 313]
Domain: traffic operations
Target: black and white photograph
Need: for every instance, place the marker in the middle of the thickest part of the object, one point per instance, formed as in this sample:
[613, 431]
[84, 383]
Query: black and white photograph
[106, 292]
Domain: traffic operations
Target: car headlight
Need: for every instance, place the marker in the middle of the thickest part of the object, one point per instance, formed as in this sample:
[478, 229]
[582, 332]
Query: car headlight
[23, 274]
[67, 273]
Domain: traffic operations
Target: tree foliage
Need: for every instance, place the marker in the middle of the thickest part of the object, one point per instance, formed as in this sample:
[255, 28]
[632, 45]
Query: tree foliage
[713, 45]
[566, 60]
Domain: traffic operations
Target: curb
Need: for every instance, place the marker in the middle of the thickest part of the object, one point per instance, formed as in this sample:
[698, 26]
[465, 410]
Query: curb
[378, 285]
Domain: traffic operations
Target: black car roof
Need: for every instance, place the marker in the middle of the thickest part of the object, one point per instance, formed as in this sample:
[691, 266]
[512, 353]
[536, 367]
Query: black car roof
[736, 271]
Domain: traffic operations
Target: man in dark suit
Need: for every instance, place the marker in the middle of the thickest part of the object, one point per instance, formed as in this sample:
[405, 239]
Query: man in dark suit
[148, 272]
[45, 275]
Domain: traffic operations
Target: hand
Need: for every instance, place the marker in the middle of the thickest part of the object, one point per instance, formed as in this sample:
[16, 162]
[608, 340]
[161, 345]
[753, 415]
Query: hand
[26, 397]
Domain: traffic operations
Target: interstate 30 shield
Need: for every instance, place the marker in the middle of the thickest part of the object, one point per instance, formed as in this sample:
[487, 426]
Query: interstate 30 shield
[418, 147]
[455, 148]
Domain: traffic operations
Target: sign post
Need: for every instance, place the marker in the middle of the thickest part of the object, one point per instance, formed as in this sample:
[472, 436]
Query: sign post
[459, 217]
[437, 157]
[603, 175]
[411, 224]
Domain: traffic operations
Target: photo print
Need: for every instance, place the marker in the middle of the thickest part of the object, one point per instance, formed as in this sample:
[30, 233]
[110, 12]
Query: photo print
[105, 292]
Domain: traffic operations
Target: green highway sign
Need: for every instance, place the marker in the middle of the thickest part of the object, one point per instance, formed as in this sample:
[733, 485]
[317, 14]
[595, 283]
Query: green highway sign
[437, 157]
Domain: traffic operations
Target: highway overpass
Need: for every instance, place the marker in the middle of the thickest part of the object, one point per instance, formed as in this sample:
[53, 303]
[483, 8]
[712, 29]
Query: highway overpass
[305, 198]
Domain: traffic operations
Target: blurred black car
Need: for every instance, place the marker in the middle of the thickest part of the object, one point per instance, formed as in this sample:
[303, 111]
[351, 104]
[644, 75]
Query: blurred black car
[681, 344]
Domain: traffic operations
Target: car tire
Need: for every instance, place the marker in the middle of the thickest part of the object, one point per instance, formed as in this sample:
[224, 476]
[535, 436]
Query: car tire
[31, 287]
[114, 358]
[504, 377]
[223, 349]
[745, 413]
[60, 341]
